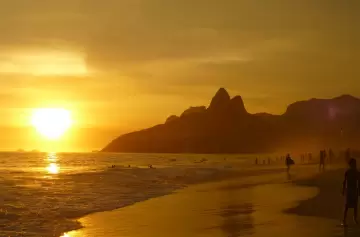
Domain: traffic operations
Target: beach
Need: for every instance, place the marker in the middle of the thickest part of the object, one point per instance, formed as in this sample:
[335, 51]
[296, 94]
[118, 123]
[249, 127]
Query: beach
[182, 195]
[309, 204]
[44, 194]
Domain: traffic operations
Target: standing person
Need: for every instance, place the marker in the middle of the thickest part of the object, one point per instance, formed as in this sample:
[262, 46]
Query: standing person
[288, 162]
[322, 161]
[351, 190]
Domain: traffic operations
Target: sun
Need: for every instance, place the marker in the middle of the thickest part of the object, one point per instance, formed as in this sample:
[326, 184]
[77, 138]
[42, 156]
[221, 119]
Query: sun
[52, 123]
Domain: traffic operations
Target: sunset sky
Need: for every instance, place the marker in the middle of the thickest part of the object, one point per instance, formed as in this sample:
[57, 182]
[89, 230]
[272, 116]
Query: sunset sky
[123, 65]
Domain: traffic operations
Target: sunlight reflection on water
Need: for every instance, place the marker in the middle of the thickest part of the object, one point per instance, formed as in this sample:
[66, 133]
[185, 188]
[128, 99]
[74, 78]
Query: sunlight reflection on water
[53, 167]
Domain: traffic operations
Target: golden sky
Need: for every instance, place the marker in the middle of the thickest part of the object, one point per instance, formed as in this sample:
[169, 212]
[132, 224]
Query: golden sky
[122, 65]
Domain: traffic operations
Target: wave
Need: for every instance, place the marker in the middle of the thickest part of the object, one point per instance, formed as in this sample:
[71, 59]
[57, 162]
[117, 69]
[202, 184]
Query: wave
[50, 205]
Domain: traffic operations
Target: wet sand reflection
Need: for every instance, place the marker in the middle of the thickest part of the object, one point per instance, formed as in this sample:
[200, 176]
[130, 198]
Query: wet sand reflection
[236, 212]
[237, 220]
[217, 210]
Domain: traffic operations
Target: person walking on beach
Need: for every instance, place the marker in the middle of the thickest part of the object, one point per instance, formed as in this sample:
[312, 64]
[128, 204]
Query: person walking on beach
[322, 160]
[351, 190]
[289, 162]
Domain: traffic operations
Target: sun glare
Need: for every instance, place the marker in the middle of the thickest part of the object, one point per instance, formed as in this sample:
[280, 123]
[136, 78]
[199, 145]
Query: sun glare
[52, 123]
[53, 168]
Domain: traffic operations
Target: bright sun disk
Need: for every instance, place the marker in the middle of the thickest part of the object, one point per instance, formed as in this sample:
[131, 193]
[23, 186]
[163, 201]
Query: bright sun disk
[52, 123]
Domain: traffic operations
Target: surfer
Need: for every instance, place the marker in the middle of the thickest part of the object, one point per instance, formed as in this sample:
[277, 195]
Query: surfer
[351, 190]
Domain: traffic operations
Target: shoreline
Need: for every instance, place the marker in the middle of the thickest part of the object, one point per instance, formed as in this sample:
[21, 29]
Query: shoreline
[227, 175]
[328, 203]
[250, 178]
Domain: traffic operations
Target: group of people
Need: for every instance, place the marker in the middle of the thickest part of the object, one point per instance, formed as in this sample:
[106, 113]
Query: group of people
[351, 183]
[324, 158]
[269, 160]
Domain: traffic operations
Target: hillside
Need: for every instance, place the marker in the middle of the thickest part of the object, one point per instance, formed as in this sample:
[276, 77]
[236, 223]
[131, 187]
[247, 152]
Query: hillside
[225, 126]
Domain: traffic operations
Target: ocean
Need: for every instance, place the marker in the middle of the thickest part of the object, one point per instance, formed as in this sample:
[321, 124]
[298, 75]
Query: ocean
[42, 194]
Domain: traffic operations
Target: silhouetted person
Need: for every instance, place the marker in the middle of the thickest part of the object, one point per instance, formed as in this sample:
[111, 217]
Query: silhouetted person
[322, 160]
[256, 161]
[288, 162]
[351, 190]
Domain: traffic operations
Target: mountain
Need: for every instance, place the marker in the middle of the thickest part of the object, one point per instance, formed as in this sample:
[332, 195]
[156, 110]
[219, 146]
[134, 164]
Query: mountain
[226, 127]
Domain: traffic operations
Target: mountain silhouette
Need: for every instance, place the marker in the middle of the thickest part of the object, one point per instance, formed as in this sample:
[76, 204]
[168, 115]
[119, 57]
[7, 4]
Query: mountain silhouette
[226, 127]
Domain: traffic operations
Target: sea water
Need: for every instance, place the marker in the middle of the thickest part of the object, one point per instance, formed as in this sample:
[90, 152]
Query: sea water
[42, 194]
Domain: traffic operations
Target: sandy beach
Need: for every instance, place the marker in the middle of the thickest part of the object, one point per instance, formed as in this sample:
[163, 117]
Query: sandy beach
[307, 205]
[328, 203]
[38, 201]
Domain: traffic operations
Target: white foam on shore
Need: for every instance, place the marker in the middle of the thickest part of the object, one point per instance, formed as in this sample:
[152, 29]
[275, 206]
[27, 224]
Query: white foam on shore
[214, 209]
[48, 205]
[33, 202]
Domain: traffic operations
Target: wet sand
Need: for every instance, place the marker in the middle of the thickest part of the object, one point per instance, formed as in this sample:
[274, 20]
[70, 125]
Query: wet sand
[270, 206]
[328, 203]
